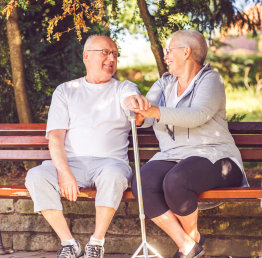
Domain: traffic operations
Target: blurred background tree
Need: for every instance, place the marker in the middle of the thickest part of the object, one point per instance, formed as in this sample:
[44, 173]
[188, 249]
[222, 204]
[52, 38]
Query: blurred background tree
[46, 64]
[53, 32]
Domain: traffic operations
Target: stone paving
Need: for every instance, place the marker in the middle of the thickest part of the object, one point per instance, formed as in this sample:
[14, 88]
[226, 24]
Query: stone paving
[51, 255]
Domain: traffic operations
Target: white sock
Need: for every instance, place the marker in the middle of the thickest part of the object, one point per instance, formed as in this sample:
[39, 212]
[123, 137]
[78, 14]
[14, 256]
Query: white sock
[95, 241]
[69, 242]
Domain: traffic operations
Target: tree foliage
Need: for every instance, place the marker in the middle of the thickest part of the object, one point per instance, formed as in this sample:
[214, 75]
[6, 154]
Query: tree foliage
[162, 17]
[46, 64]
[167, 15]
[80, 12]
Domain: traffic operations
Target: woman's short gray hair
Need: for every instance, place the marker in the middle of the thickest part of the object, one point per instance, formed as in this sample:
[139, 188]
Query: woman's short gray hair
[196, 41]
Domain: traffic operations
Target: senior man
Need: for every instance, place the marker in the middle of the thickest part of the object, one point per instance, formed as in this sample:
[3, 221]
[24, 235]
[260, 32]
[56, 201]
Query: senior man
[88, 131]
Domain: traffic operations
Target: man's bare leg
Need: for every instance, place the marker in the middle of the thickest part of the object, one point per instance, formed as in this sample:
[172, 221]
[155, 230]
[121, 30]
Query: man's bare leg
[104, 216]
[58, 222]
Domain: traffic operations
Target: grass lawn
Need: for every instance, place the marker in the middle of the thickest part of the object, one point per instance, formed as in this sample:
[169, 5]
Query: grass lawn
[241, 101]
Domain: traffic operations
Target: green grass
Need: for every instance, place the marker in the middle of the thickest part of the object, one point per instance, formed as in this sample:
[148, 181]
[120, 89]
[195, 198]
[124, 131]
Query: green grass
[241, 101]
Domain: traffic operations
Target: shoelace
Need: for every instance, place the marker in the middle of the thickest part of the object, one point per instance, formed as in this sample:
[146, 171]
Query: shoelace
[66, 251]
[95, 251]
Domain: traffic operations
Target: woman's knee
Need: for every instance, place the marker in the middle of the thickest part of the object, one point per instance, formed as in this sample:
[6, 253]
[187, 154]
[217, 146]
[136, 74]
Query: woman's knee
[173, 182]
[180, 199]
[146, 183]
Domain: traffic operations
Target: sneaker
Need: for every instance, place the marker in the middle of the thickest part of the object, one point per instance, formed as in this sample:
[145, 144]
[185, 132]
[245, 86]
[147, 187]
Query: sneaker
[70, 251]
[94, 251]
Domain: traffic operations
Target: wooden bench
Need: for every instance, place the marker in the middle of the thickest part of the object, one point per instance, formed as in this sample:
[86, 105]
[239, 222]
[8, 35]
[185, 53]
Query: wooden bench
[26, 142]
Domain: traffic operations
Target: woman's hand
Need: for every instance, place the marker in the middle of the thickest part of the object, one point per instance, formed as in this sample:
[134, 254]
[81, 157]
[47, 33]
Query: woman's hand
[139, 119]
[152, 112]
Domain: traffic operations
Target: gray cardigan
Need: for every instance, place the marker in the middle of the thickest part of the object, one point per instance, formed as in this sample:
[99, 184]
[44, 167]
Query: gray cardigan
[197, 120]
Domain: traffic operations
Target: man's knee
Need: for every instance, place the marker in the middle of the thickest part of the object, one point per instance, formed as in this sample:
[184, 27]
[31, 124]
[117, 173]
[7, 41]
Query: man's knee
[114, 179]
[34, 176]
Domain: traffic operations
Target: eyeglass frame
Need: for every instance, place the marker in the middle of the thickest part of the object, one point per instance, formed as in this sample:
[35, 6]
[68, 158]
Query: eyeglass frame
[169, 49]
[115, 53]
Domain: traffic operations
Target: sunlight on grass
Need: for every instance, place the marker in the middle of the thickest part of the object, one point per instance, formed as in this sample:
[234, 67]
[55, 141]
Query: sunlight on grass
[241, 101]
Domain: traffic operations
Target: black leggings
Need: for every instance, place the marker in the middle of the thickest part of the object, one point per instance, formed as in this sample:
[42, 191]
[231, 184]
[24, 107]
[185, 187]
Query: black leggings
[168, 185]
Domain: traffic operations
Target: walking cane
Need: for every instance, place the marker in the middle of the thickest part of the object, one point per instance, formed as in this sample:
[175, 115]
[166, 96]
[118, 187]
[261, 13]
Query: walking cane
[144, 245]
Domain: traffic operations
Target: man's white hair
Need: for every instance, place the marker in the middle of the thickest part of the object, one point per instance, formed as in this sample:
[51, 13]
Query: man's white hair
[89, 40]
[196, 41]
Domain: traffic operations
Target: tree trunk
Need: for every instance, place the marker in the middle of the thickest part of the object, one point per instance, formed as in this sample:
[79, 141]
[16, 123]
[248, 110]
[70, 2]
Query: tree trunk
[156, 46]
[16, 58]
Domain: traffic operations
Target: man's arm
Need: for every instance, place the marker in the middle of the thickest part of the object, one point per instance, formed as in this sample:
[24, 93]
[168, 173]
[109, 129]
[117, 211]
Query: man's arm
[66, 179]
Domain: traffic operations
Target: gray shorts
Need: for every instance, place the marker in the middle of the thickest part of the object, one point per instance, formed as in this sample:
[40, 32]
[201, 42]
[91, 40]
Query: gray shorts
[108, 175]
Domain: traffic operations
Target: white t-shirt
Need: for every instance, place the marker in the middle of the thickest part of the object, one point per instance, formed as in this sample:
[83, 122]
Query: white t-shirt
[94, 117]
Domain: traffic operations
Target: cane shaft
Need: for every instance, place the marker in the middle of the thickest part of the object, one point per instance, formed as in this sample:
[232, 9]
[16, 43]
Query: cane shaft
[138, 179]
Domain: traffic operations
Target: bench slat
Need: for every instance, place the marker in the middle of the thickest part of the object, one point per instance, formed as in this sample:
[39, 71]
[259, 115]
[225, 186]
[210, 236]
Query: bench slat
[248, 140]
[23, 129]
[241, 140]
[245, 127]
[28, 155]
[254, 155]
[251, 154]
[16, 127]
[221, 193]
[144, 141]
[234, 127]
[39, 155]
[232, 193]
[23, 141]
[21, 191]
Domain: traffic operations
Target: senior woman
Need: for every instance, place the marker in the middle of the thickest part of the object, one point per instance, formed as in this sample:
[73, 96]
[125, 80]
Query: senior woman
[197, 151]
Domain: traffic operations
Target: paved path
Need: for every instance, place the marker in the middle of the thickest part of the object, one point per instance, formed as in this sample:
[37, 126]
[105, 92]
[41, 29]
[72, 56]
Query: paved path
[51, 255]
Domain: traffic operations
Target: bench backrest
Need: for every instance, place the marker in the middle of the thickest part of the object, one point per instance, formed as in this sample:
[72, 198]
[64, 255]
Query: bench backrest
[27, 142]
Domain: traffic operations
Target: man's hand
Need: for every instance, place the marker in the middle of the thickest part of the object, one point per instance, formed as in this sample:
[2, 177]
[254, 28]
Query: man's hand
[136, 102]
[66, 179]
[68, 186]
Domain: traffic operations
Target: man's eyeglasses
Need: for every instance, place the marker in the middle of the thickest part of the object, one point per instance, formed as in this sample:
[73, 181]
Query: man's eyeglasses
[106, 52]
[169, 49]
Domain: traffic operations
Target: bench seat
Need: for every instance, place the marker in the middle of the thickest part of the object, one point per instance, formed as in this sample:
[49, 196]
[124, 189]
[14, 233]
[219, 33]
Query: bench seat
[26, 142]
[9, 191]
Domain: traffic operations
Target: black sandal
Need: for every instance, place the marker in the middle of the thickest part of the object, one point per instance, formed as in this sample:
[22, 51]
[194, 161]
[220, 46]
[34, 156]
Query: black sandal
[196, 252]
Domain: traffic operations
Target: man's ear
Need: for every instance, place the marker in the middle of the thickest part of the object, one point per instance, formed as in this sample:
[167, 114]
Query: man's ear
[85, 55]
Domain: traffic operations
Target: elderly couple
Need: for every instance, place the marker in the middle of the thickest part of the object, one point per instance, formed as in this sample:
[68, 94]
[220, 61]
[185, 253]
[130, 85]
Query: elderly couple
[88, 132]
